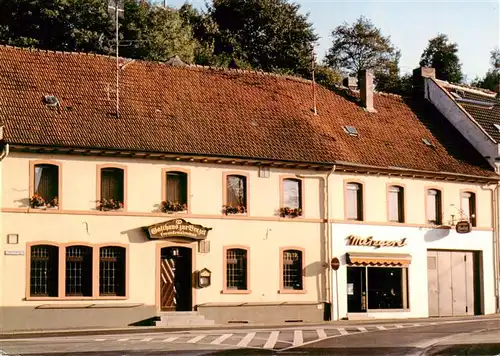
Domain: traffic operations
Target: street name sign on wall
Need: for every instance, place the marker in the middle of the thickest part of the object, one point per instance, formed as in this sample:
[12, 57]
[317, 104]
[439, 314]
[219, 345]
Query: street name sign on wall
[177, 228]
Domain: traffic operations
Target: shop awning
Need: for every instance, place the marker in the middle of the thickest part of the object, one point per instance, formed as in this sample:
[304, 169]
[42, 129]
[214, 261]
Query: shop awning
[375, 259]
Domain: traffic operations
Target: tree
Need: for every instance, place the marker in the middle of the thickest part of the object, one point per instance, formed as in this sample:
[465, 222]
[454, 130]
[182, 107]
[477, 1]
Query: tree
[65, 25]
[492, 77]
[441, 54]
[359, 46]
[267, 34]
[155, 33]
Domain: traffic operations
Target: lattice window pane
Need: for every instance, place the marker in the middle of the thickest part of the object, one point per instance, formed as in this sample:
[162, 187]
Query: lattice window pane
[44, 270]
[79, 271]
[236, 269]
[112, 271]
[292, 269]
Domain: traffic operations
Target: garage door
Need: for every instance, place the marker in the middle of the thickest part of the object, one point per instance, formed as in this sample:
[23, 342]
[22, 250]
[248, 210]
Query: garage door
[451, 283]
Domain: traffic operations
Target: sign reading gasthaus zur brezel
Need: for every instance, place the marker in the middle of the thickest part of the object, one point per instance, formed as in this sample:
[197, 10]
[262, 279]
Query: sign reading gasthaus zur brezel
[177, 228]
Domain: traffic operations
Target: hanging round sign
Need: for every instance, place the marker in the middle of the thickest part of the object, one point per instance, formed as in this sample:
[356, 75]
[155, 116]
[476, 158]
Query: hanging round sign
[463, 227]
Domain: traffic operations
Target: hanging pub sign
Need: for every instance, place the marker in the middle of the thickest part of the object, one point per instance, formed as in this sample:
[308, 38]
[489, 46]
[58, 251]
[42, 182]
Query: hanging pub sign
[463, 227]
[177, 228]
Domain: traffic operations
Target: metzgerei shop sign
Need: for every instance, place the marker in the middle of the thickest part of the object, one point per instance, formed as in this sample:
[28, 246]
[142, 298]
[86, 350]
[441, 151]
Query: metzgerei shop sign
[369, 241]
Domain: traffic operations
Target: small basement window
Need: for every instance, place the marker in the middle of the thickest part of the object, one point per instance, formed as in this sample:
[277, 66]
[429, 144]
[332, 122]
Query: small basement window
[351, 130]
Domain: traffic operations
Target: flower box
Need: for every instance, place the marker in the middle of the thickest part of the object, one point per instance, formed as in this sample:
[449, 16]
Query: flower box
[109, 204]
[38, 202]
[290, 212]
[230, 210]
[172, 206]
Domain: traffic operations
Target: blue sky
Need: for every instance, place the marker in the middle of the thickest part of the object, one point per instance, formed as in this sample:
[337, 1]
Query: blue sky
[473, 24]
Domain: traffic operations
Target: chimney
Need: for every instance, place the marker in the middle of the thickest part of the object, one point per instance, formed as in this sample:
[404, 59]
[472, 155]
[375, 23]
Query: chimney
[419, 75]
[351, 83]
[366, 89]
[497, 89]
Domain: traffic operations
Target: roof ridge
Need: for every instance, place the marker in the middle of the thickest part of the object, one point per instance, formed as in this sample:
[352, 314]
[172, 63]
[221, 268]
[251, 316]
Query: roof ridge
[34, 49]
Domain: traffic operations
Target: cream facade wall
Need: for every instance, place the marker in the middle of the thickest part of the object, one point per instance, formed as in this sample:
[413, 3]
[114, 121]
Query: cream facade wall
[262, 231]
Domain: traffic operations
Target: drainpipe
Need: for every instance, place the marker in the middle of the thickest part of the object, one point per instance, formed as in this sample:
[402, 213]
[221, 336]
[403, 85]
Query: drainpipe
[496, 246]
[327, 232]
[5, 152]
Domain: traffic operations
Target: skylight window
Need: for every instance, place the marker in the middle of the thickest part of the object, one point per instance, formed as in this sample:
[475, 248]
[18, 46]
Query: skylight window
[351, 130]
[497, 126]
[51, 100]
[427, 142]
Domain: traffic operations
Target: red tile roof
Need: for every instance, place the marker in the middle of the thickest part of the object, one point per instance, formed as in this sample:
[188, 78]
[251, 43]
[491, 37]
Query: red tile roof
[201, 111]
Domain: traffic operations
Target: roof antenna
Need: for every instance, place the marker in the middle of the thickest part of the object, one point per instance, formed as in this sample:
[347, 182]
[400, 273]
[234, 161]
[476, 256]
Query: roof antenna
[313, 81]
[116, 9]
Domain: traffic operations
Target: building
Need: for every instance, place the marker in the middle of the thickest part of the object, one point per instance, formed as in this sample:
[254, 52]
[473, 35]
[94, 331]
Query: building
[475, 113]
[219, 191]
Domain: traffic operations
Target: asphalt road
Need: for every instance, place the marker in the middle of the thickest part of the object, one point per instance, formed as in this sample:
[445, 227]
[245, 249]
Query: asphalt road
[425, 338]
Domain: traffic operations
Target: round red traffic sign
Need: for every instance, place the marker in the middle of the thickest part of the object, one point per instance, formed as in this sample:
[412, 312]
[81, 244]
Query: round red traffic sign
[335, 263]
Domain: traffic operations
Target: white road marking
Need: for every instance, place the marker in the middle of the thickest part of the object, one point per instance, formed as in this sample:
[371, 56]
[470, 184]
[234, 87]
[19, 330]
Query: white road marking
[246, 340]
[416, 324]
[398, 326]
[127, 339]
[380, 327]
[271, 341]
[195, 339]
[100, 340]
[298, 339]
[146, 339]
[342, 331]
[170, 339]
[321, 333]
[361, 328]
[221, 338]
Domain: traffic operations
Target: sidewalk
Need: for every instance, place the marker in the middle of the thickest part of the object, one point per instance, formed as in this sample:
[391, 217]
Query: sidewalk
[153, 329]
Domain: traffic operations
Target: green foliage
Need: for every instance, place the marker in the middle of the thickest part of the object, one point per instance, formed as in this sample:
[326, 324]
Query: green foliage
[441, 54]
[267, 34]
[327, 77]
[359, 46]
[492, 78]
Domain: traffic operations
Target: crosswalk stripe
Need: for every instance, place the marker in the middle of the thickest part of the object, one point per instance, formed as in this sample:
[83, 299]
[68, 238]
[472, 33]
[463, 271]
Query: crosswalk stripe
[398, 326]
[361, 328]
[380, 327]
[124, 339]
[146, 339]
[246, 340]
[416, 324]
[321, 333]
[342, 331]
[221, 338]
[195, 339]
[298, 339]
[170, 339]
[271, 341]
[100, 340]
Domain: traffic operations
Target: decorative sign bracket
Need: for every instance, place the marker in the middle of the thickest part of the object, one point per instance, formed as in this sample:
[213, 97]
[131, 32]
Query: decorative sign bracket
[177, 228]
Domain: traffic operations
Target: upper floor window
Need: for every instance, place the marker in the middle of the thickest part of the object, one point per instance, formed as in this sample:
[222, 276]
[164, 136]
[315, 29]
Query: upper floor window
[176, 188]
[79, 271]
[292, 270]
[434, 207]
[236, 194]
[112, 271]
[44, 271]
[112, 189]
[45, 186]
[396, 204]
[354, 201]
[292, 198]
[236, 269]
[469, 207]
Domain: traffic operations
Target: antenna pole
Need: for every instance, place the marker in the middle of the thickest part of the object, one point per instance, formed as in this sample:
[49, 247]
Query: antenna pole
[117, 62]
[313, 83]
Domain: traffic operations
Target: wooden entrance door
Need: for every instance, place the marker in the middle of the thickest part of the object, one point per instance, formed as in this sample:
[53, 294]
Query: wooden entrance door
[175, 279]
